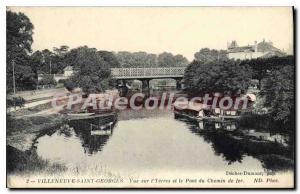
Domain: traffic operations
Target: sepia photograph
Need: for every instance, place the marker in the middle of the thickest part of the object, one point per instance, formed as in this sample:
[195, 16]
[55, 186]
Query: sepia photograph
[150, 97]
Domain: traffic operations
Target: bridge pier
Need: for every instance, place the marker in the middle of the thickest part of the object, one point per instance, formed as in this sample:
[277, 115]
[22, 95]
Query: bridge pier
[178, 84]
[146, 86]
[122, 88]
[123, 82]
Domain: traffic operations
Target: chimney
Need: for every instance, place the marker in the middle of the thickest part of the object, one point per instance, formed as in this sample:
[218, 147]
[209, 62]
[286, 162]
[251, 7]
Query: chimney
[255, 46]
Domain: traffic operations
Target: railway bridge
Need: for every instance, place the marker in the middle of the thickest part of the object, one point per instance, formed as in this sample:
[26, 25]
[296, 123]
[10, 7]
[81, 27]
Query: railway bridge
[147, 74]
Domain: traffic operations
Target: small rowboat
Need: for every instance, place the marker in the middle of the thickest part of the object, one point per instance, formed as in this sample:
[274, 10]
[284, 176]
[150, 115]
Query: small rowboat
[105, 129]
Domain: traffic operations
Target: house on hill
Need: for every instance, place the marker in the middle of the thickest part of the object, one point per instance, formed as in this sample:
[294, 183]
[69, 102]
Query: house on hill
[68, 71]
[262, 49]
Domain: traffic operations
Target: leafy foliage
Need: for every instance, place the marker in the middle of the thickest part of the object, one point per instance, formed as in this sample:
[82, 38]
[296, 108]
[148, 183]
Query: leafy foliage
[137, 59]
[225, 77]
[15, 102]
[208, 55]
[69, 85]
[92, 72]
[110, 58]
[19, 32]
[48, 62]
[47, 80]
[278, 88]
[169, 60]
[261, 66]
[143, 59]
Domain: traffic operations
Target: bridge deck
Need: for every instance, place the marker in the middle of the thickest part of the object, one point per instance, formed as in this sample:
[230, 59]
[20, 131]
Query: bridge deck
[132, 73]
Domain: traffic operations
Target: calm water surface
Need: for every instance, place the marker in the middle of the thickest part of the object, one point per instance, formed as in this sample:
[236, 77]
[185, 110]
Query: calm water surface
[155, 141]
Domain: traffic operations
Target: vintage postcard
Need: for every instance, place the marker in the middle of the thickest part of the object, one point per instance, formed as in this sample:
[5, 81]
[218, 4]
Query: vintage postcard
[150, 97]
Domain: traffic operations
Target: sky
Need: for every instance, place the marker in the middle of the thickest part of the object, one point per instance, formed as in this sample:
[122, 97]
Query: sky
[179, 30]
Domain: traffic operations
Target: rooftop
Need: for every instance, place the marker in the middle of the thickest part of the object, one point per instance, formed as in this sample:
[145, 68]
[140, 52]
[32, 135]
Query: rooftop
[262, 46]
[68, 68]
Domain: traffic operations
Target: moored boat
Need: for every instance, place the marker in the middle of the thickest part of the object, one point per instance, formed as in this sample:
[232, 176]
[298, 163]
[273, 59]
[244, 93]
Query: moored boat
[200, 112]
[206, 112]
[105, 129]
[80, 114]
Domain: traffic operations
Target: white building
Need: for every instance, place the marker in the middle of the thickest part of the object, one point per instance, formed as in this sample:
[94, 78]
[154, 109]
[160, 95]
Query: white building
[257, 50]
[68, 71]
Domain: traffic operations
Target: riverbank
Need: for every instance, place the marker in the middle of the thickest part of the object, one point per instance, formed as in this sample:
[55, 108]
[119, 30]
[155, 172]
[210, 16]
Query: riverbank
[24, 162]
[21, 134]
[23, 128]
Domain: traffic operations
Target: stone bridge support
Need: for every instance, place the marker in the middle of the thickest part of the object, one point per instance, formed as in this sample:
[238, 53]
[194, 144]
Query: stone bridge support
[179, 83]
[122, 87]
[146, 86]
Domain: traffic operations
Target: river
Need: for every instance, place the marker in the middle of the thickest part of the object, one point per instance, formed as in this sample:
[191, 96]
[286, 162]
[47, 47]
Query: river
[153, 142]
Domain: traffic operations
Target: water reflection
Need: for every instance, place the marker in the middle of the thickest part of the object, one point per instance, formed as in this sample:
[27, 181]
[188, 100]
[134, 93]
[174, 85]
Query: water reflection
[144, 142]
[93, 133]
[272, 150]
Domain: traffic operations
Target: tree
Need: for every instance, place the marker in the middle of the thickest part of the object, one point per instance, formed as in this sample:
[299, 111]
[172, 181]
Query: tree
[169, 60]
[37, 61]
[110, 58]
[190, 75]
[48, 80]
[58, 59]
[207, 55]
[41, 61]
[136, 59]
[61, 51]
[223, 77]
[143, 59]
[180, 61]
[19, 32]
[262, 66]
[92, 72]
[278, 89]
[48, 62]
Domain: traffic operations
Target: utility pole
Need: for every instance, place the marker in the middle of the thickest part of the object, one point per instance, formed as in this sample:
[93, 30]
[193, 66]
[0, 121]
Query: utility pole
[14, 83]
[50, 66]
[14, 80]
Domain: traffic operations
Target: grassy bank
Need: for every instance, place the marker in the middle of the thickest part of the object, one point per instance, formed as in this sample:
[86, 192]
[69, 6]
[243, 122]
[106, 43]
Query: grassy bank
[22, 162]
[22, 131]
[31, 110]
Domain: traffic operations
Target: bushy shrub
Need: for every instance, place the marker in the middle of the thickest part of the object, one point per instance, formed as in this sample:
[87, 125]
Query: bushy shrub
[15, 102]
[62, 81]
[47, 80]
[69, 85]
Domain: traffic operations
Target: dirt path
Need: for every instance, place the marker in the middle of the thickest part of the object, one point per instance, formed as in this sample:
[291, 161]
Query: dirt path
[46, 112]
